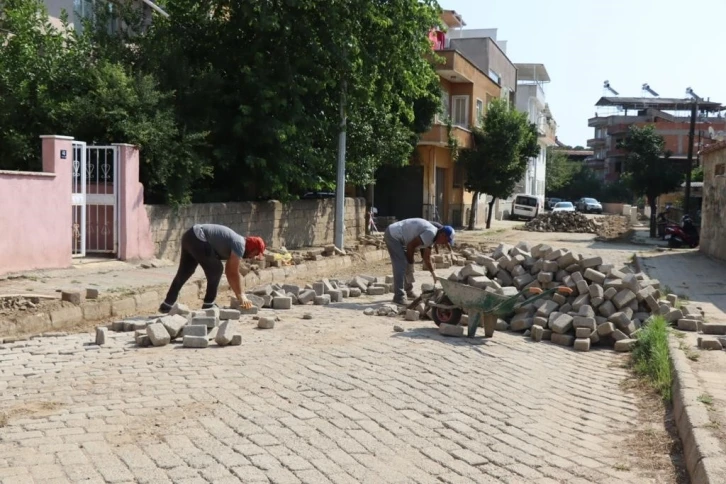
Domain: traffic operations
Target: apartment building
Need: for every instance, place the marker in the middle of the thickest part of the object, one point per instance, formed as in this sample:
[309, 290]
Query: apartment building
[531, 100]
[474, 71]
[671, 118]
[77, 10]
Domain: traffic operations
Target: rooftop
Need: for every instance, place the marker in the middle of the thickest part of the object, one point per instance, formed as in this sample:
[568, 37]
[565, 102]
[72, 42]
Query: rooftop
[452, 19]
[663, 103]
[532, 73]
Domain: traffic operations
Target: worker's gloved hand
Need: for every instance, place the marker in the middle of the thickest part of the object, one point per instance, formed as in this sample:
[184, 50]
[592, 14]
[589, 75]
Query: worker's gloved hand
[244, 303]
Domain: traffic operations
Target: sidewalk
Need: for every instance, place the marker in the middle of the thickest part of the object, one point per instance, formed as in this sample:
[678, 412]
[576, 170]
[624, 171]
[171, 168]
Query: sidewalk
[700, 376]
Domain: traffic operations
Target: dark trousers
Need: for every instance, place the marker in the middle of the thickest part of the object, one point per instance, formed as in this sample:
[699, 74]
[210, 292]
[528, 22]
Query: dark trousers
[195, 252]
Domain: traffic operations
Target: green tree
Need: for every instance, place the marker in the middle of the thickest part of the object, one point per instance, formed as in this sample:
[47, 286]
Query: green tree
[560, 170]
[648, 171]
[502, 149]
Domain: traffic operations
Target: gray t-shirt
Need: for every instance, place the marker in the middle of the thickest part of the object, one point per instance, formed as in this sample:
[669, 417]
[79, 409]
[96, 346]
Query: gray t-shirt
[223, 240]
[407, 230]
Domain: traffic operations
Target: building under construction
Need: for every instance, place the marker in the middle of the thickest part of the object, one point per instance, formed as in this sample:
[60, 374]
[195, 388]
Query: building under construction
[671, 118]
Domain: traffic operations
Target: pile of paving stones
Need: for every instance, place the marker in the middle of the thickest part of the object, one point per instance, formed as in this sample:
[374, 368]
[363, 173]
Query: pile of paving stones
[195, 328]
[11, 304]
[561, 222]
[607, 305]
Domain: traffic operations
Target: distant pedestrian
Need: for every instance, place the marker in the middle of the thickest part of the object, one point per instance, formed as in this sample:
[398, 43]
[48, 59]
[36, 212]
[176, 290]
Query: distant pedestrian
[207, 245]
[402, 239]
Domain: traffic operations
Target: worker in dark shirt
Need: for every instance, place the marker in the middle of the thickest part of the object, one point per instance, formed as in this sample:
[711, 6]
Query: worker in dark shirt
[207, 246]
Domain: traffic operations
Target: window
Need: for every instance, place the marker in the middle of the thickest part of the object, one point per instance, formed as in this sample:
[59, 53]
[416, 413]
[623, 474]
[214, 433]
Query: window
[495, 77]
[720, 169]
[479, 111]
[85, 9]
[445, 107]
[460, 111]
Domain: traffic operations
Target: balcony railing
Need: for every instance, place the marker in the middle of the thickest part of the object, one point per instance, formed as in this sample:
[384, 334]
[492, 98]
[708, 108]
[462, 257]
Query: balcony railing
[438, 136]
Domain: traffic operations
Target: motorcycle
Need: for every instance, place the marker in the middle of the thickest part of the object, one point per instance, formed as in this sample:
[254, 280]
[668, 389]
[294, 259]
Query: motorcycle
[685, 234]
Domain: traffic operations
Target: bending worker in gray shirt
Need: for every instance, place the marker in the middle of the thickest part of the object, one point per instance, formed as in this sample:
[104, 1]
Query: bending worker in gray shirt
[207, 245]
[402, 239]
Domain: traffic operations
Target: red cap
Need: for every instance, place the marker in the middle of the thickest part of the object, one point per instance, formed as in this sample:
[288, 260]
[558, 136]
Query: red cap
[254, 243]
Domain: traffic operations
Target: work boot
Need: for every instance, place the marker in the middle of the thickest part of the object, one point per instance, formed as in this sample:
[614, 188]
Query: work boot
[165, 308]
[209, 305]
[400, 300]
[412, 294]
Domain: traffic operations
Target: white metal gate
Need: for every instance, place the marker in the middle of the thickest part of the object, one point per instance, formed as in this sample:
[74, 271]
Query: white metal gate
[94, 199]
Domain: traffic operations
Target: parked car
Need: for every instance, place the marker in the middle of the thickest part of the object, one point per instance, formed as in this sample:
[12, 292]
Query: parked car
[551, 202]
[564, 207]
[589, 205]
[526, 207]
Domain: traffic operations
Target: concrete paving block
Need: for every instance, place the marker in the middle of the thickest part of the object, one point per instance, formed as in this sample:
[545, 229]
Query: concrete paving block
[212, 312]
[710, 344]
[91, 293]
[195, 342]
[180, 309]
[688, 324]
[229, 314]
[583, 332]
[158, 334]
[101, 333]
[236, 340]
[336, 295]
[605, 329]
[195, 330]
[282, 303]
[713, 328]
[451, 330]
[143, 341]
[562, 339]
[345, 292]
[208, 321]
[582, 343]
[619, 335]
[226, 332]
[412, 315]
[173, 324]
[319, 288]
[561, 324]
[306, 296]
[323, 300]
[74, 297]
[625, 345]
[537, 332]
[267, 323]
[291, 288]
[594, 276]
[376, 291]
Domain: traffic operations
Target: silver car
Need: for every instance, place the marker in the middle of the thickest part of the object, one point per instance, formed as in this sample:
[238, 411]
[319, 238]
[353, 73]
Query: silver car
[589, 205]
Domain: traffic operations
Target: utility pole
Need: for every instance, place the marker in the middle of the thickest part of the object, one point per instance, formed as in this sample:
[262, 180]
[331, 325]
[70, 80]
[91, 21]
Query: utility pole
[340, 179]
[689, 165]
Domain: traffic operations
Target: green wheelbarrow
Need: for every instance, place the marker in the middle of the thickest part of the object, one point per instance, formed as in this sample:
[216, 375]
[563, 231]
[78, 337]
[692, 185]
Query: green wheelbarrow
[482, 306]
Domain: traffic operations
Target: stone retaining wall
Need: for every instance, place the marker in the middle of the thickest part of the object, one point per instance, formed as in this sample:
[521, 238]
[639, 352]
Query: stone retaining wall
[302, 223]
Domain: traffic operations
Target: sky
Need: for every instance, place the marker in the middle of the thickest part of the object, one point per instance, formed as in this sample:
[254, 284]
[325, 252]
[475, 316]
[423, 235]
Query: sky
[669, 44]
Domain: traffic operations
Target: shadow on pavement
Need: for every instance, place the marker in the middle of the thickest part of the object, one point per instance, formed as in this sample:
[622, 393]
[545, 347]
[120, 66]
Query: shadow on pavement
[432, 333]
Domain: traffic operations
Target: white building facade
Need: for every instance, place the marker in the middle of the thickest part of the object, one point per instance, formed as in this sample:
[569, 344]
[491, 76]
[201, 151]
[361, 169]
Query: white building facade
[531, 99]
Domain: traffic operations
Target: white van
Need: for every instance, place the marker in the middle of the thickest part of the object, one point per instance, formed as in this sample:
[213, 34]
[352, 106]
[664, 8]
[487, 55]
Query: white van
[526, 206]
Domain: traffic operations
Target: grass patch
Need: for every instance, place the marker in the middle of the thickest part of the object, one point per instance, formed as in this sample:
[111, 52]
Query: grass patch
[705, 399]
[665, 290]
[650, 357]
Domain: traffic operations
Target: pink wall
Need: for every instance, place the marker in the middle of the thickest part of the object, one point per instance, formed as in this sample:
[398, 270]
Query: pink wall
[135, 238]
[35, 212]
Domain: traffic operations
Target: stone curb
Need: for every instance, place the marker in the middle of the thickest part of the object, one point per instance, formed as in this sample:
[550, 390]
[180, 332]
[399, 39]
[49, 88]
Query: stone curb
[705, 461]
[148, 298]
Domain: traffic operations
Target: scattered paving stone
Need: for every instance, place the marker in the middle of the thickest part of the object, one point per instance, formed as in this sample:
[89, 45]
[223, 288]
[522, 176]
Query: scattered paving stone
[398, 329]
[625, 345]
[282, 303]
[229, 314]
[195, 342]
[226, 332]
[101, 333]
[180, 309]
[173, 324]
[412, 315]
[158, 334]
[91, 293]
[451, 330]
[236, 340]
[323, 300]
[266, 323]
[307, 316]
[195, 330]
[74, 297]
[369, 311]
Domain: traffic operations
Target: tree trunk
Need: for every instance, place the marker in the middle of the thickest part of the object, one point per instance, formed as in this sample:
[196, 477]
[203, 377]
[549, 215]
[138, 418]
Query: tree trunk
[652, 218]
[473, 211]
[491, 211]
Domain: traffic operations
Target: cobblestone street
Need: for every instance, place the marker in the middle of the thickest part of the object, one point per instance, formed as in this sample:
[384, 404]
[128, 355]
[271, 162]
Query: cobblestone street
[338, 398]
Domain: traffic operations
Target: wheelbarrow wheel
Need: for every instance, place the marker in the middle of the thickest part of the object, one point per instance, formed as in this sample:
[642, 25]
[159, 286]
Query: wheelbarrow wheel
[447, 316]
